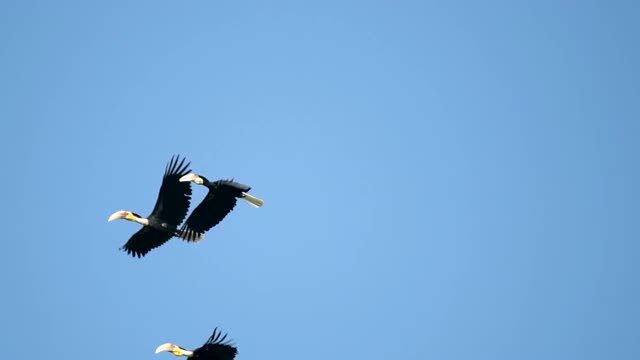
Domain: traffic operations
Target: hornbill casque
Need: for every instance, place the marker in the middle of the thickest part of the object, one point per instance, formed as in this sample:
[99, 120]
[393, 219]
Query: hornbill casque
[218, 203]
[214, 349]
[171, 208]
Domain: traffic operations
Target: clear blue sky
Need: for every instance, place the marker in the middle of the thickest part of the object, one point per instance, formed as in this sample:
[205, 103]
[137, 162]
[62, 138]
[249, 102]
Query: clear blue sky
[443, 180]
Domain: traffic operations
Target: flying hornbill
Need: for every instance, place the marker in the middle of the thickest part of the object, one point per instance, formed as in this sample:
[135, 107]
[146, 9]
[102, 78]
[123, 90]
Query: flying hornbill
[218, 203]
[214, 349]
[171, 208]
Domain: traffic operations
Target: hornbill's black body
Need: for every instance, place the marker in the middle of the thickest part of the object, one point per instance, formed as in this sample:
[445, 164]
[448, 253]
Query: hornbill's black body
[168, 213]
[221, 199]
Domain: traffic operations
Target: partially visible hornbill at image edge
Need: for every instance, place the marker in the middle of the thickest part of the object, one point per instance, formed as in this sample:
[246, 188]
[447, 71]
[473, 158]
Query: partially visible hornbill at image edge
[170, 210]
[214, 349]
[218, 203]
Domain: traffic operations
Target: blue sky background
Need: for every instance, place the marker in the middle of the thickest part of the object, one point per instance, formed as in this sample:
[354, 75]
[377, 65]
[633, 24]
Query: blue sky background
[443, 179]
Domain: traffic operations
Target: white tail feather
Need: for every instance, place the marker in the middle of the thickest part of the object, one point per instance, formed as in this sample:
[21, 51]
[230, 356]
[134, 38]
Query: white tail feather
[252, 200]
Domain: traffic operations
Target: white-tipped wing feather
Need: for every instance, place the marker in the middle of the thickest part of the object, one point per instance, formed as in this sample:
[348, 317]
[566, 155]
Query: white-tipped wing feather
[189, 235]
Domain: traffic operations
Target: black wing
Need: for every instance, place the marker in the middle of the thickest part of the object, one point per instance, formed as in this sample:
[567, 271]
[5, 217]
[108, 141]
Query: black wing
[218, 203]
[145, 240]
[174, 196]
[216, 348]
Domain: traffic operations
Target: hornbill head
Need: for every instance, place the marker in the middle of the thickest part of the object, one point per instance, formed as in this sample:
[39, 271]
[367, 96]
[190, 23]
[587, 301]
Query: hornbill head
[192, 177]
[127, 215]
[175, 349]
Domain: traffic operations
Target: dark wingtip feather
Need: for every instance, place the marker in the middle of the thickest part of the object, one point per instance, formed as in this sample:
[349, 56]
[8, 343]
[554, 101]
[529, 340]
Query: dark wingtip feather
[178, 166]
[167, 169]
[172, 165]
[131, 252]
[217, 338]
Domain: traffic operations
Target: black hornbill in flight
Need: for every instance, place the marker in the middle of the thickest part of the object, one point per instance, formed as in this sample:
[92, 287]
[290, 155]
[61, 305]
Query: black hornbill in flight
[218, 203]
[214, 349]
[171, 208]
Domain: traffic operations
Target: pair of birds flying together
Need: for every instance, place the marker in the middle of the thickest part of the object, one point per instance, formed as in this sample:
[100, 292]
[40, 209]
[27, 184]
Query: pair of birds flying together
[172, 206]
[163, 223]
